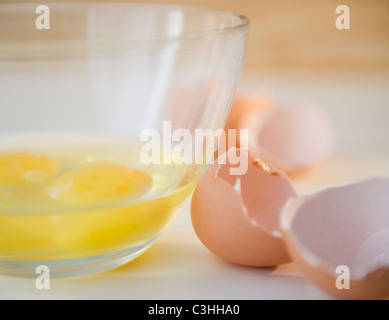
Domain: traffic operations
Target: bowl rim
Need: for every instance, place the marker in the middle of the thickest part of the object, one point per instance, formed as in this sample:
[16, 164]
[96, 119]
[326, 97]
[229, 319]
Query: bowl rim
[242, 25]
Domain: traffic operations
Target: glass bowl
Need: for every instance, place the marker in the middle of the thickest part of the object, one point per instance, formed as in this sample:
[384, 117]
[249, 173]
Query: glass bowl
[101, 106]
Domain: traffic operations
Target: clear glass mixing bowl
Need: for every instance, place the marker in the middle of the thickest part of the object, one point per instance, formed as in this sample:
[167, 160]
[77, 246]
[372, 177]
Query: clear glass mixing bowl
[80, 102]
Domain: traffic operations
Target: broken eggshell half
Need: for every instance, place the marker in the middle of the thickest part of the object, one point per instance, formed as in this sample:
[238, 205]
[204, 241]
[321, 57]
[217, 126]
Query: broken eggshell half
[339, 238]
[293, 138]
[237, 216]
[255, 103]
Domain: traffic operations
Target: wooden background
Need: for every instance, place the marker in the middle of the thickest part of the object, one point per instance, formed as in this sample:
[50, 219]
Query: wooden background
[302, 34]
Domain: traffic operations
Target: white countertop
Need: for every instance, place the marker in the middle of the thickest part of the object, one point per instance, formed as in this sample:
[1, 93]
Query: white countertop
[178, 266]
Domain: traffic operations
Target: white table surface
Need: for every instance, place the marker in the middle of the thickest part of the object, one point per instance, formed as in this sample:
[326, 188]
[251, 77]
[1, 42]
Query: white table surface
[178, 266]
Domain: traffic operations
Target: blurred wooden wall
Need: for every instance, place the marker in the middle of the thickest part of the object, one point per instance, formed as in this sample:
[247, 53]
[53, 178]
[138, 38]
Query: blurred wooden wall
[302, 33]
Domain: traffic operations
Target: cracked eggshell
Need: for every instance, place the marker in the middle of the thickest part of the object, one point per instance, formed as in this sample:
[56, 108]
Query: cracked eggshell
[293, 139]
[342, 226]
[247, 102]
[237, 217]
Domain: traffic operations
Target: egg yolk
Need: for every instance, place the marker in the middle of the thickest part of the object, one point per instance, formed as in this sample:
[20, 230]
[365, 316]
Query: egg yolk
[99, 184]
[23, 168]
[25, 234]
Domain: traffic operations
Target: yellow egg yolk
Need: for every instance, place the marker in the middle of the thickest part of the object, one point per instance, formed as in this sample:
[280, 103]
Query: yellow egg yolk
[99, 184]
[23, 168]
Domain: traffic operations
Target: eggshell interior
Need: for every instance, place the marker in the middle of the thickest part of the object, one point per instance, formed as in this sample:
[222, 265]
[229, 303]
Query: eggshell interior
[348, 226]
[293, 138]
[264, 192]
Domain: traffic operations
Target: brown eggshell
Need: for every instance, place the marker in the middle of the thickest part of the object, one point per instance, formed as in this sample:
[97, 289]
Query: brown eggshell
[236, 217]
[246, 102]
[343, 226]
[293, 138]
[243, 103]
